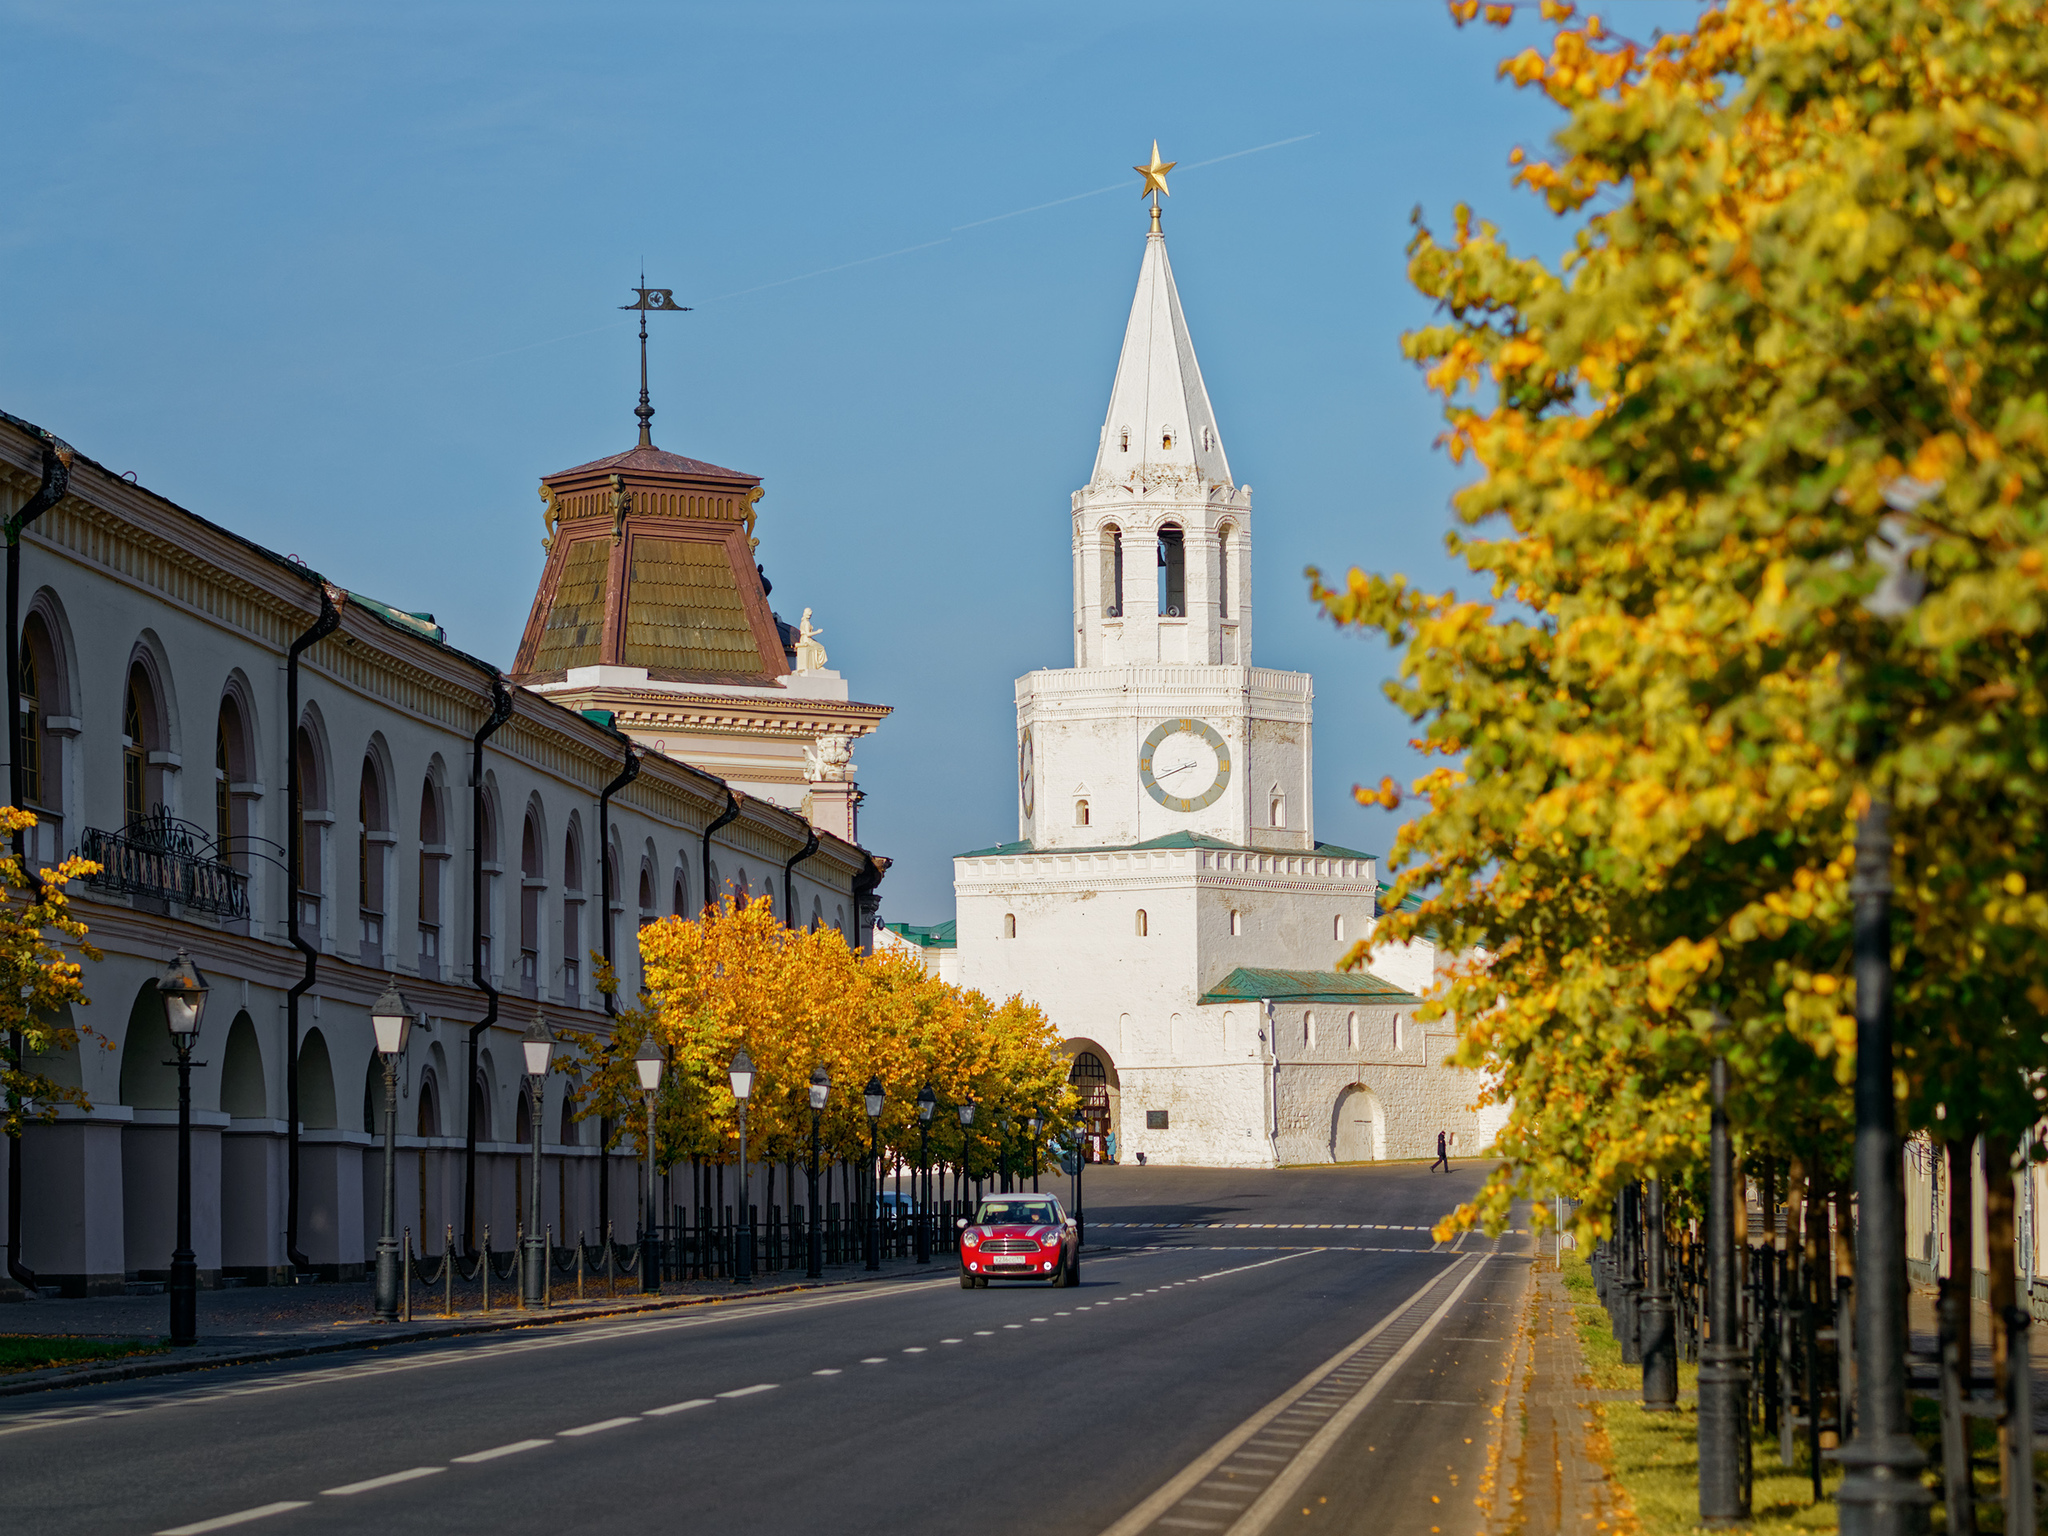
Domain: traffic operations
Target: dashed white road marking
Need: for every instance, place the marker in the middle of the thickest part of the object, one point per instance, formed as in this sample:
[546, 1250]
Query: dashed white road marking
[386, 1481]
[502, 1450]
[949, 1341]
[695, 1402]
[830, 1370]
[915, 1349]
[759, 1386]
[876, 1360]
[601, 1425]
[222, 1522]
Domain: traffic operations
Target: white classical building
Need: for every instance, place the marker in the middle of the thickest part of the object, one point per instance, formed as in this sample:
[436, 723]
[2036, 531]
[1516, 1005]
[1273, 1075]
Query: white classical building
[1166, 900]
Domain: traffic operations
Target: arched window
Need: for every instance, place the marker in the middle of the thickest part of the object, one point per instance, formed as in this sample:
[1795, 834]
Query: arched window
[43, 696]
[1351, 1029]
[1112, 572]
[141, 739]
[1236, 922]
[817, 913]
[1080, 813]
[486, 920]
[433, 860]
[1173, 573]
[1399, 1042]
[1009, 925]
[429, 1121]
[1276, 808]
[1123, 440]
[1166, 437]
[1208, 439]
[531, 884]
[1088, 1072]
[572, 918]
[522, 1122]
[313, 820]
[1223, 572]
[1337, 928]
[569, 1122]
[681, 902]
[1142, 923]
[373, 846]
[480, 1107]
[646, 893]
[233, 757]
[1308, 1030]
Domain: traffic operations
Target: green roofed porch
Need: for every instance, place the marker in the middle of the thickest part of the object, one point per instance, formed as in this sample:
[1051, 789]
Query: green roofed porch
[1252, 984]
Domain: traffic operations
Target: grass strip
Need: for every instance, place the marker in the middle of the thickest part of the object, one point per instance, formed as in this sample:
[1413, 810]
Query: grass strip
[31, 1351]
[1654, 1457]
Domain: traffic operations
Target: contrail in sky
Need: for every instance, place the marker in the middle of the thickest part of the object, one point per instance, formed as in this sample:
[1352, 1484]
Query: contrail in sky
[783, 282]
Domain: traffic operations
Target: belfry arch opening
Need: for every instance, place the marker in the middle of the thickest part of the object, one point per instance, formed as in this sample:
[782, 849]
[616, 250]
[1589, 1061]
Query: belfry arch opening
[1173, 573]
[1112, 572]
[1092, 1073]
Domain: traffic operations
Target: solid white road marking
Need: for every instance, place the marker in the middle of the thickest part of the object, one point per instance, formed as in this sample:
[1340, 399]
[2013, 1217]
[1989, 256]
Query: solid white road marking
[222, 1522]
[503, 1450]
[762, 1386]
[602, 1424]
[385, 1481]
[1225, 1454]
[695, 1402]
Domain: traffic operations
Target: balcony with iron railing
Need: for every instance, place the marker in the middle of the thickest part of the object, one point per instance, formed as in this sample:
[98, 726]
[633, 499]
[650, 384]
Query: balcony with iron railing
[158, 857]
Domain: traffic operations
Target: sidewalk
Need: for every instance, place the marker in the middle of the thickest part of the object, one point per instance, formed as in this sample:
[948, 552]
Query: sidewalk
[260, 1323]
[1556, 1483]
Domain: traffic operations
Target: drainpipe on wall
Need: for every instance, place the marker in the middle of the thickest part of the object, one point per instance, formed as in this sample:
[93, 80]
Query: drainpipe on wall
[501, 711]
[789, 873]
[731, 813]
[1270, 1038]
[628, 772]
[331, 598]
[56, 479]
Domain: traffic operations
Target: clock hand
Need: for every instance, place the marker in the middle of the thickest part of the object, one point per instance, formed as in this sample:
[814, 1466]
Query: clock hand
[1183, 768]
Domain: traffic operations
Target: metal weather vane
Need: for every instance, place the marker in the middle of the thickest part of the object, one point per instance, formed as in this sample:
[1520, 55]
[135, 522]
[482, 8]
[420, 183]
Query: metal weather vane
[663, 299]
[1154, 185]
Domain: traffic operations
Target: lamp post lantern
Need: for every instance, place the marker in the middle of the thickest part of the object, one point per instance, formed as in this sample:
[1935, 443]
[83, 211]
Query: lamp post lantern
[648, 1061]
[821, 1088]
[741, 1074]
[391, 1019]
[538, 1046]
[874, 1096]
[966, 1112]
[184, 993]
[927, 1102]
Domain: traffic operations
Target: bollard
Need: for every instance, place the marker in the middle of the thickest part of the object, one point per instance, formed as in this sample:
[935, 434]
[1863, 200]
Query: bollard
[487, 1267]
[519, 1248]
[405, 1296]
[448, 1271]
[547, 1269]
[579, 1264]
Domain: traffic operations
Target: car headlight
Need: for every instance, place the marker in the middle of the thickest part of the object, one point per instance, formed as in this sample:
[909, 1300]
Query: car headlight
[969, 1239]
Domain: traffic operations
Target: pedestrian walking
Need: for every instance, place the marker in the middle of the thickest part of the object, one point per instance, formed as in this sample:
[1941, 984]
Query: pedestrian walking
[1443, 1153]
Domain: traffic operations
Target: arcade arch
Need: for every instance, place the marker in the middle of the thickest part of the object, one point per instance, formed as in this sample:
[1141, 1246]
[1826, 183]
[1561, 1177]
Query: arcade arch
[1094, 1077]
[1358, 1127]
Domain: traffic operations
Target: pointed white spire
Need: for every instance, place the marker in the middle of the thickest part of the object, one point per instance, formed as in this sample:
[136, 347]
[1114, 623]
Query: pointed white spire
[1159, 412]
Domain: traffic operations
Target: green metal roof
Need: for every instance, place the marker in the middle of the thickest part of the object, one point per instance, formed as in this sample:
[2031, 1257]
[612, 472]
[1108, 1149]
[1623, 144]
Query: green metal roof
[944, 935]
[1171, 840]
[1251, 984]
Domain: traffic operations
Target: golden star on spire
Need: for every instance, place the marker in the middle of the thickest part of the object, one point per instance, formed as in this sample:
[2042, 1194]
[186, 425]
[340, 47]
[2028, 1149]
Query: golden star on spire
[1155, 174]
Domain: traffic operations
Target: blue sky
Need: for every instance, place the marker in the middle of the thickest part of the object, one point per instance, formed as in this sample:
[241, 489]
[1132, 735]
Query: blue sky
[344, 278]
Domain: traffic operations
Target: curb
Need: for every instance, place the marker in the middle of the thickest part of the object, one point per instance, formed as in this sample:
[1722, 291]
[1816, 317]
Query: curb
[53, 1378]
[1506, 1471]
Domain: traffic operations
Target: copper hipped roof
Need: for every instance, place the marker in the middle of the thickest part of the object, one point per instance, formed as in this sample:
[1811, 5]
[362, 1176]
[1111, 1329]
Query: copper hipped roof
[661, 461]
[651, 565]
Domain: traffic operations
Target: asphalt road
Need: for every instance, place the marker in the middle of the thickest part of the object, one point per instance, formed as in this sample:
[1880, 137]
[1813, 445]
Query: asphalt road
[1247, 1351]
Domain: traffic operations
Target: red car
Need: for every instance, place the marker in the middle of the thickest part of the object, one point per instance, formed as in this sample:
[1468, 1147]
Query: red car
[1020, 1237]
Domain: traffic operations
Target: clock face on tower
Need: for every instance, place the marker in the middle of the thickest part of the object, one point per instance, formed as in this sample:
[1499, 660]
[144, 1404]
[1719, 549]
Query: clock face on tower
[1184, 765]
[1026, 773]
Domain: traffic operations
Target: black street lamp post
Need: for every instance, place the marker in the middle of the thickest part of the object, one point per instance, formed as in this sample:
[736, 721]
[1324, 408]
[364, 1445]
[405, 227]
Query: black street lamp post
[648, 1062]
[1660, 1340]
[184, 993]
[1724, 1361]
[1003, 1153]
[821, 1085]
[1035, 1123]
[391, 1018]
[927, 1101]
[538, 1044]
[741, 1074]
[966, 1112]
[874, 1098]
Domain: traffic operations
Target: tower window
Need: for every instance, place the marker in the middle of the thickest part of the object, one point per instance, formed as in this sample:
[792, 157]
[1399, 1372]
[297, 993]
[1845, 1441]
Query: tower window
[1173, 573]
[1351, 1029]
[1009, 925]
[1223, 573]
[1236, 922]
[1113, 572]
[1123, 444]
[1398, 1032]
[1080, 813]
[1141, 923]
[1166, 437]
[1277, 809]
[1337, 928]
[1208, 439]
[1308, 1030]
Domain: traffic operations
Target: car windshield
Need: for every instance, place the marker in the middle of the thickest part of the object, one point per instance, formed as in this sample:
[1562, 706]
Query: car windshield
[1023, 1213]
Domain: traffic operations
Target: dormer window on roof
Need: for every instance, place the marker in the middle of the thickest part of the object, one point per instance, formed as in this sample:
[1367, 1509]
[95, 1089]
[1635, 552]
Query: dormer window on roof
[1166, 437]
[1124, 441]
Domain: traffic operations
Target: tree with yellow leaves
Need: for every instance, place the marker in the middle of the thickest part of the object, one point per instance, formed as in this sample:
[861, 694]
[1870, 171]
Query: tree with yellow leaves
[1791, 369]
[39, 981]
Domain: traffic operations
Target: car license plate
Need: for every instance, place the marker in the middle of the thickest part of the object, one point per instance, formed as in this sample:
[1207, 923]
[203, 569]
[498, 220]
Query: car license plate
[1009, 1261]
